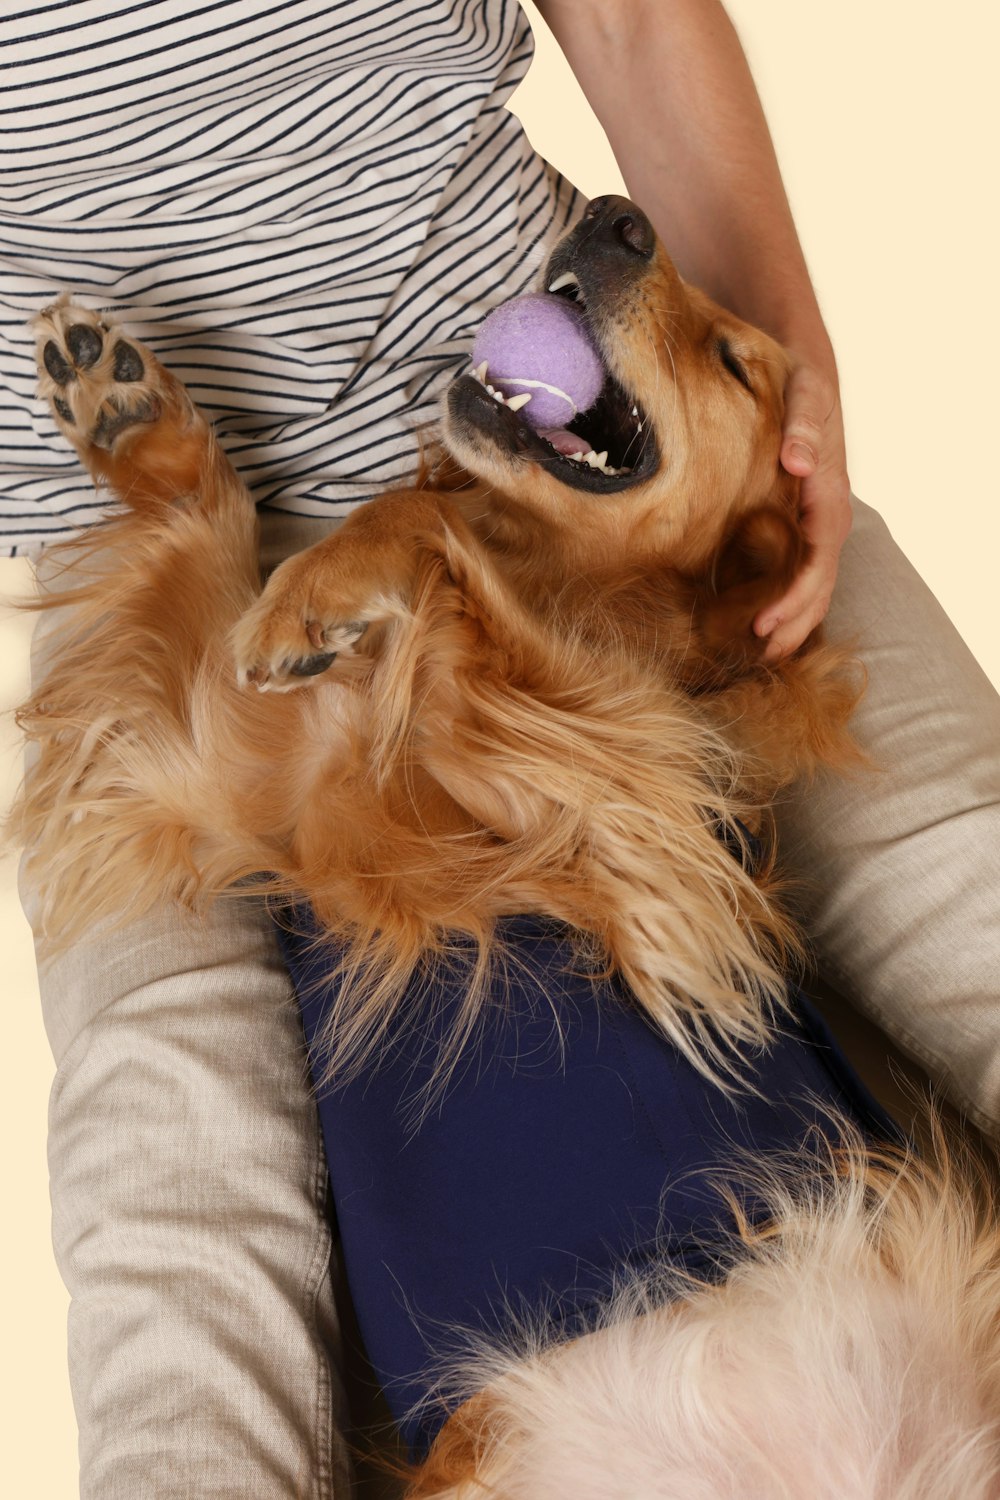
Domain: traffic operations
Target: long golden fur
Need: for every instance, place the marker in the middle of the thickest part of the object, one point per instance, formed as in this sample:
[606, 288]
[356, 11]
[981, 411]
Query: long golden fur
[536, 698]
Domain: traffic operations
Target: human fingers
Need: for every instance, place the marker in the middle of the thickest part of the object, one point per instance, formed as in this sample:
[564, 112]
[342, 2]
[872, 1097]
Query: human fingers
[812, 448]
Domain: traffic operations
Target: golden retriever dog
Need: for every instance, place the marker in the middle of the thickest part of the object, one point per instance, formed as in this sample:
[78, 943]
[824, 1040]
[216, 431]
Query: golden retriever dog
[529, 684]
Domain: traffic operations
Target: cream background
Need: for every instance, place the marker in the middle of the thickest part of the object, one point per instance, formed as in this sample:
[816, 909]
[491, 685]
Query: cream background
[885, 120]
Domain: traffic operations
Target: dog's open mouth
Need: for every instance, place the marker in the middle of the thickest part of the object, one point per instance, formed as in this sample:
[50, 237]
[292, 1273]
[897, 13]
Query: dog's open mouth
[609, 447]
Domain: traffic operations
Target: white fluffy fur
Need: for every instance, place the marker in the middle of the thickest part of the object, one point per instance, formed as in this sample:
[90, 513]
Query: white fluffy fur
[850, 1354]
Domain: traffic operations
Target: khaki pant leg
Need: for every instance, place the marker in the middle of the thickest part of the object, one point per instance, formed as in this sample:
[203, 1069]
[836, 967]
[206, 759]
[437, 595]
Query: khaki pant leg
[901, 868]
[189, 1188]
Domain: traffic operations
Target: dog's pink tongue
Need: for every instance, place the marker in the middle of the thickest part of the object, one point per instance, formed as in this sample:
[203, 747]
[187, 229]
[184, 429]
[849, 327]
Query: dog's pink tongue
[564, 441]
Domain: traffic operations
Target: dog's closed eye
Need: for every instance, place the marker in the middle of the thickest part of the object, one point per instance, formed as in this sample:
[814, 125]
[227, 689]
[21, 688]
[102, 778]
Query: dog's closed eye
[733, 364]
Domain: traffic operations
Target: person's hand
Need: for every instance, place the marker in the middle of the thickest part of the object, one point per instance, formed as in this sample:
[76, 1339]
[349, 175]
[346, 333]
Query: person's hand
[812, 447]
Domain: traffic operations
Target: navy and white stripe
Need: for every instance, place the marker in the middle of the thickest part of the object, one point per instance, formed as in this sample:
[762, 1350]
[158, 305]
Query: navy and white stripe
[304, 207]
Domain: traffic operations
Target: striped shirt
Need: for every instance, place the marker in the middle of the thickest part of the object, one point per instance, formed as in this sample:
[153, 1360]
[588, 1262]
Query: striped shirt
[303, 208]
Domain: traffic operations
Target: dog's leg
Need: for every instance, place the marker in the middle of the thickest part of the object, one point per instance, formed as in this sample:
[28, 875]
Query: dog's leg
[123, 803]
[186, 546]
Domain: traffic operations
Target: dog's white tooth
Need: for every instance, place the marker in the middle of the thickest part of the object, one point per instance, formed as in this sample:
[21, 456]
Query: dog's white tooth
[602, 459]
[577, 456]
[566, 279]
[635, 411]
[638, 426]
[480, 372]
[516, 402]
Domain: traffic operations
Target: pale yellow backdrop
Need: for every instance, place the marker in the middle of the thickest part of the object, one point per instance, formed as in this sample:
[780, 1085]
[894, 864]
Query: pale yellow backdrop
[886, 122]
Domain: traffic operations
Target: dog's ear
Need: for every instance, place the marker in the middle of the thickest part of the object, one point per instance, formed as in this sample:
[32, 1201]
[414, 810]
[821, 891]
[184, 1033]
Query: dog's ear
[758, 558]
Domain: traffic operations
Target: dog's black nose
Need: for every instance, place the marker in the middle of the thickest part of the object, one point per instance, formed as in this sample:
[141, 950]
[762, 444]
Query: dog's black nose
[622, 224]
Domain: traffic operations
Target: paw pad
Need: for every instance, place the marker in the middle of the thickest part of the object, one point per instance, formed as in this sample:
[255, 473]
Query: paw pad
[114, 420]
[128, 364]
[91, 368]
[311, 666]
[84, 344]
[61, 372]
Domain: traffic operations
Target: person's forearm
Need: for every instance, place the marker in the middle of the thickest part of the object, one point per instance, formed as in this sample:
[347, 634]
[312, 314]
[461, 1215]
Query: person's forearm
[669, 82]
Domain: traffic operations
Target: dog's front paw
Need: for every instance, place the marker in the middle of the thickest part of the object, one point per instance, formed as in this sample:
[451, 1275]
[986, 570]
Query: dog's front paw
[99, 385]
[276, 655]
[318, 605]
[301, 625]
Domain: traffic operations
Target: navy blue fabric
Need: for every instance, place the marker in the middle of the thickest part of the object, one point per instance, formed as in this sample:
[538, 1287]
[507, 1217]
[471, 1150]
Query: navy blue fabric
[549, 1163]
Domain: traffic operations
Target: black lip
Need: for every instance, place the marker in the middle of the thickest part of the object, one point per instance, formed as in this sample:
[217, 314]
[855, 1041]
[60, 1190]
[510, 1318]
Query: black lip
[471, 406]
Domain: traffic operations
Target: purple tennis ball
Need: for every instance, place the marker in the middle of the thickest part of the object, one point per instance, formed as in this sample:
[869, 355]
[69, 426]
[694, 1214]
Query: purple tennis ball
[539, 345]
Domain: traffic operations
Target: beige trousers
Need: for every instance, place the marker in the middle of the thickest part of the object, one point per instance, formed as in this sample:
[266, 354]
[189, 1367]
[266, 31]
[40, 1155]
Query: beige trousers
[901, 868]
[187, 1174]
